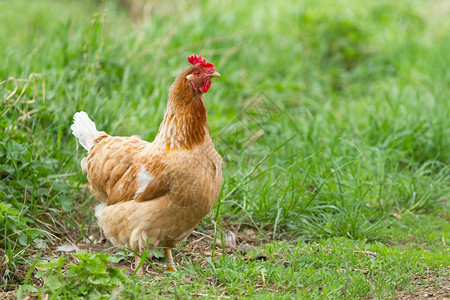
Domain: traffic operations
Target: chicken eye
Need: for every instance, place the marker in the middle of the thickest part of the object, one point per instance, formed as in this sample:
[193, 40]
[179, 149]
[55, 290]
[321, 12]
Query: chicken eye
[197, 72]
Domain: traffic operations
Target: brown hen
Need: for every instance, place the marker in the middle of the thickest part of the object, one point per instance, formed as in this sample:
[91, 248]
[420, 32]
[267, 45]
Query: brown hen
[156, 193]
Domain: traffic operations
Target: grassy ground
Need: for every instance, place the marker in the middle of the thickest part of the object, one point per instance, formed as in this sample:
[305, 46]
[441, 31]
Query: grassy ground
[332, 118]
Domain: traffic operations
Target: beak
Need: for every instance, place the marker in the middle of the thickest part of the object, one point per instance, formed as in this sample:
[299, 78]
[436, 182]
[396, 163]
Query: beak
[214, 74]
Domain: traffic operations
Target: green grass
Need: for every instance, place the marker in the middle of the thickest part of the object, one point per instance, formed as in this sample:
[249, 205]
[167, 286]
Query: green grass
[332, 118]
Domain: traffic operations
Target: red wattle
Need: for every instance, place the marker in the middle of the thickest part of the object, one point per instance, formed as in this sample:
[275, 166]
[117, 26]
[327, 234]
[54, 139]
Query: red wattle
[205, 87]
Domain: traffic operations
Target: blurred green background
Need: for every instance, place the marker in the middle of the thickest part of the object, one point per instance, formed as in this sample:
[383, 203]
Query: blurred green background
[333, 117]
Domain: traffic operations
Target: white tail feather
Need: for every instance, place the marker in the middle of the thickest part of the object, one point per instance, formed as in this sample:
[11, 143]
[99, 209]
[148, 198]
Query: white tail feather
[84, 129]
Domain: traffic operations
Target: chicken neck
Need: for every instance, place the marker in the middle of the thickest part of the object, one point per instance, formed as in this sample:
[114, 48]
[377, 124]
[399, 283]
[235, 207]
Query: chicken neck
[185, 123]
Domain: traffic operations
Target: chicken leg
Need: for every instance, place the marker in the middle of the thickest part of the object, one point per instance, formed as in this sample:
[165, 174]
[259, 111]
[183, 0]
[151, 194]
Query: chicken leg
[169, 260]
[137, 261]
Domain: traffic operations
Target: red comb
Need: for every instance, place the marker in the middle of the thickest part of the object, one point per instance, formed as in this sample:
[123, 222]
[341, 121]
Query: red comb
[199, 61]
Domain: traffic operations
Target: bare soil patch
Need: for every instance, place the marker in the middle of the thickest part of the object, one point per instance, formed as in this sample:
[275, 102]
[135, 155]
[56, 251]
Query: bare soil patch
[429, 287]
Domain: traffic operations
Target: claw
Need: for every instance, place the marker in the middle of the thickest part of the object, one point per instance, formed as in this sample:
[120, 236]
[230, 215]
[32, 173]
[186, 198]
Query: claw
[171, 269]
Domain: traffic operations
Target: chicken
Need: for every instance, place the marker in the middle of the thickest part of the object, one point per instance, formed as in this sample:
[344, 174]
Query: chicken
[155, 194]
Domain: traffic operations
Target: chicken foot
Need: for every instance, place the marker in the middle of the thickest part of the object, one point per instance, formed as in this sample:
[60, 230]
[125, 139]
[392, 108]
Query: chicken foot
[169, 260]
